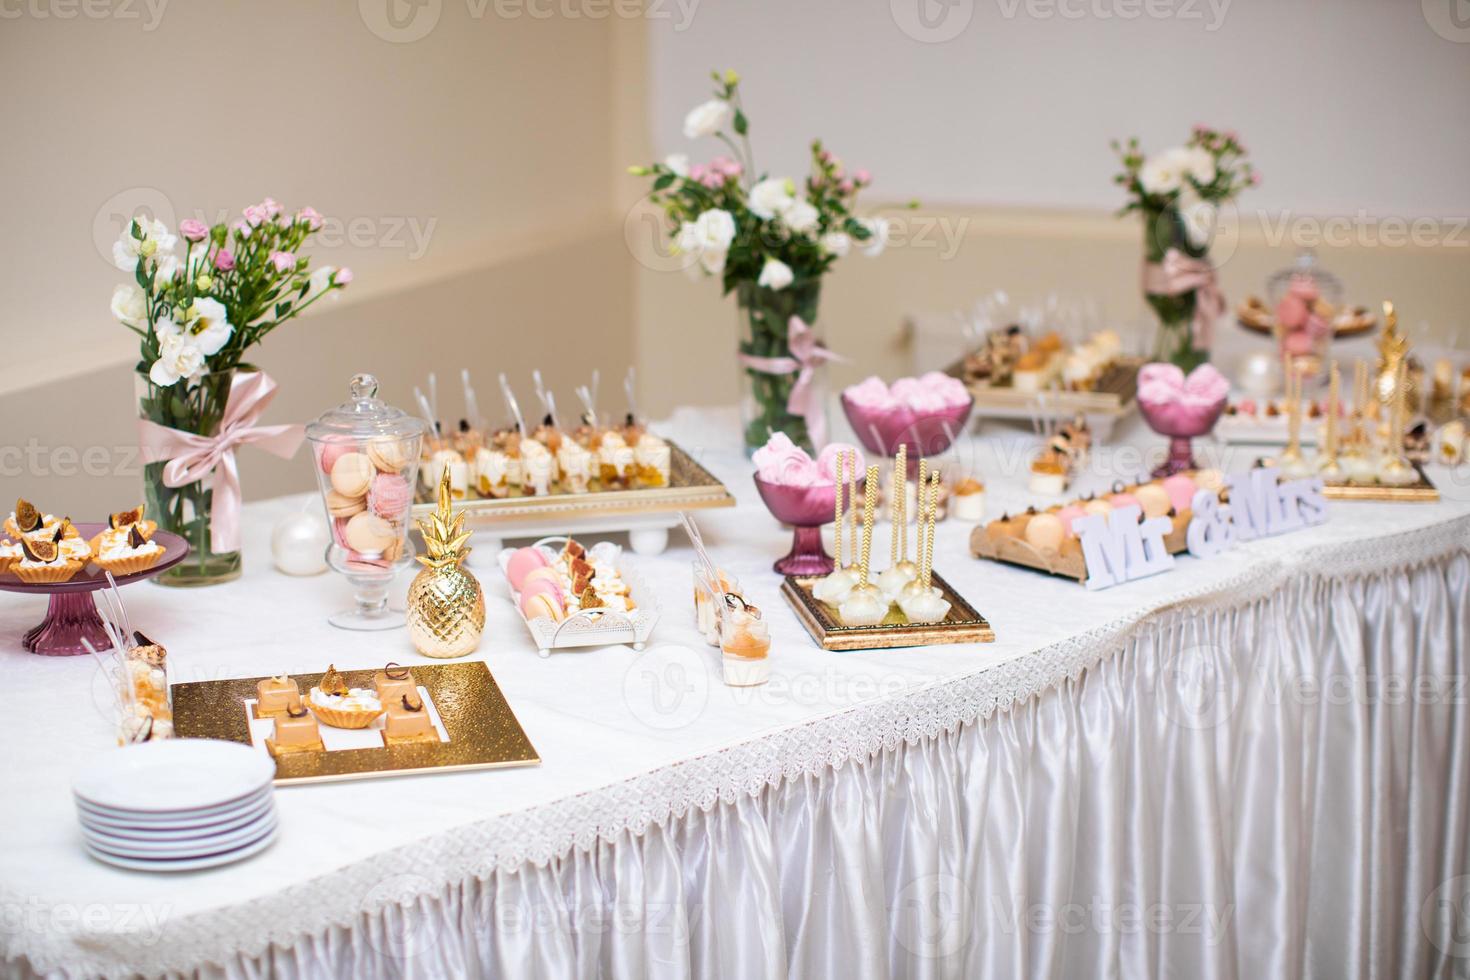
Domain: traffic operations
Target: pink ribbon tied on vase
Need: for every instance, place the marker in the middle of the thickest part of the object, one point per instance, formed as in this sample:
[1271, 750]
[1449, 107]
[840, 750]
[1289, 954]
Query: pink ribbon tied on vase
[1179, 274]
[807, 354]
[191, 457]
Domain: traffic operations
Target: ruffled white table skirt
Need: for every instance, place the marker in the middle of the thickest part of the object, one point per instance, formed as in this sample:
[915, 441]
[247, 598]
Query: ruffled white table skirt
[1268, 777]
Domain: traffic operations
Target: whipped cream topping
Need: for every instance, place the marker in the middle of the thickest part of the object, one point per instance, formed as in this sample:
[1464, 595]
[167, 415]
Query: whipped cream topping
[118, 547]
[356, 699]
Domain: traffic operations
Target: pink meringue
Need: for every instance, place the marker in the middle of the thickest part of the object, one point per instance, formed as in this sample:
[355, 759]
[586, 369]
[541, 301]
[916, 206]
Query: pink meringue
[782, 462]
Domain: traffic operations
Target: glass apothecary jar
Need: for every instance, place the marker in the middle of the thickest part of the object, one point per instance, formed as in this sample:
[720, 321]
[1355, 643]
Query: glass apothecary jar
[366, 456]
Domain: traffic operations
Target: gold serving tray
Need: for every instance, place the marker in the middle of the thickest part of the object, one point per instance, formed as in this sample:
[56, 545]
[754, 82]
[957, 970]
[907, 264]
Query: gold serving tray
[962, 625]
[1423, 491]
[691, 487]
[1017, 551]
[1115, 392]
[483, 731]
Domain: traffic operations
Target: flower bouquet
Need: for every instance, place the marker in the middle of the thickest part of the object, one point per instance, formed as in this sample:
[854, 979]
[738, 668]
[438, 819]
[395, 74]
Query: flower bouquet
[770, 241]
[1179, 192]
[196, 315]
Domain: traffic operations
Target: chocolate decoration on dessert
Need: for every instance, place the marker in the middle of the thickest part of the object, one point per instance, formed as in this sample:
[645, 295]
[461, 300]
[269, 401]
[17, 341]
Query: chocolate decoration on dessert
[1030, 511]
[464, 425]
[395, 671]
[1172, 512]
[41, 551]
[1004, 517]
[412, 705]
[1119, 486]
[135, 538]
[548, 421]
[296, 711]
[332, 682]
[27, 518]
[142, 640]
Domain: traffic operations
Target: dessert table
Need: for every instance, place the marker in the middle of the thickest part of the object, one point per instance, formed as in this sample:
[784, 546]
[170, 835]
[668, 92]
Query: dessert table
[1253, 766]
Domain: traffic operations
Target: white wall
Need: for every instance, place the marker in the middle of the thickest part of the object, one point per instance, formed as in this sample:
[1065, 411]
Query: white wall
[1347, 105]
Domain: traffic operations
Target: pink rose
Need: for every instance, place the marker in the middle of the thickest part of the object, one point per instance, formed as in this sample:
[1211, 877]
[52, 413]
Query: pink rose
[193, 229]
[846, 187]
[311, 217]
[270, 207]
[862, 177]
[283, 261]
[254, 215]
[343, 276]
[224, 260]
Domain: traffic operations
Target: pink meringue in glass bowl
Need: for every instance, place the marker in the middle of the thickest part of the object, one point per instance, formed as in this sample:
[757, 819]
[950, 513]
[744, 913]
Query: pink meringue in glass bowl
[801, 492]
[1181, 408]
[925, 414]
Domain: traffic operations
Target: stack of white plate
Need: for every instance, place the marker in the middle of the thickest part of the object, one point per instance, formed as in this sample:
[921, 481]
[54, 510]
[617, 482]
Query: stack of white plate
[177, 804]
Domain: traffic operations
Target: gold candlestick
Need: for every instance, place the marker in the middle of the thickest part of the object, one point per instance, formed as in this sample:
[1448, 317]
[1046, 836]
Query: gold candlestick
[1293, 452]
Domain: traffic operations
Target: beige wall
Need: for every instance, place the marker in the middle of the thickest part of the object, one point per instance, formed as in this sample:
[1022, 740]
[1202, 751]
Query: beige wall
[479, 168]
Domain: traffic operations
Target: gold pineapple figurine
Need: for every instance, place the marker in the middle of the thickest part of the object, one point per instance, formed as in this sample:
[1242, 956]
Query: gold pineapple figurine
[446, 606]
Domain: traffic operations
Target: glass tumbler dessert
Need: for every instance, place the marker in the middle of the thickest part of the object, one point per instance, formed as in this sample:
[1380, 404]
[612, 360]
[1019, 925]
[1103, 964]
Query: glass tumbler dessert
[366, 456]
[745, 643]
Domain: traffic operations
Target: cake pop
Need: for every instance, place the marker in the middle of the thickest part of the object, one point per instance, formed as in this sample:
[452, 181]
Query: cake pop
[926, 604]
[865, 605]
[900, 571]
[835, 586]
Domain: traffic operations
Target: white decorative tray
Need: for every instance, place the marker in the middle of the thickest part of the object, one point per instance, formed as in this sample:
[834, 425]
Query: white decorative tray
[592, 627]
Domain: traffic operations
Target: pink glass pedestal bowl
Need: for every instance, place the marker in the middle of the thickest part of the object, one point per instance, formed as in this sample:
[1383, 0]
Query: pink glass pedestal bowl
[882, 431]
[71, 614]
[1181, 423]
[806, 509]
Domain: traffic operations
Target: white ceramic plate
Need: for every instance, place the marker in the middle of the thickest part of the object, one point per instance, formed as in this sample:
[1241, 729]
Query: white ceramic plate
[173, 775]
[184, 864]
[196, 847]
[175, 829]
[169, 818]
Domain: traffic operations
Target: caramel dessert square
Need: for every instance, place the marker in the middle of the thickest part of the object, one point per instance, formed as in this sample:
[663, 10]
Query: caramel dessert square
[275, 696]
[295, 732]
[395, 683]
[408, 721]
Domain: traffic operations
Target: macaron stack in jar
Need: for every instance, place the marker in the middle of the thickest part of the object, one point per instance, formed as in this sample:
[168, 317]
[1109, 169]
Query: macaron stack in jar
[369, 497]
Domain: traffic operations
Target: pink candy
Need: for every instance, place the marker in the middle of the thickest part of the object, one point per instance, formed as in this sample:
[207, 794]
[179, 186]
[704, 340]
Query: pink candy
[784, 463]
[390, 496]
[932, 392]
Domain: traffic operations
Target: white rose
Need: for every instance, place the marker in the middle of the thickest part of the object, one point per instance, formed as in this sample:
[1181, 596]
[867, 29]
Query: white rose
[130, 305]
[210, 327]
[320, 279]
[708, 118]
[177, 358]
[1197, 162]
[1162, 173]
[877, 239]
[836, 243]
[715, 229]
[771, 197]
[1199, 220]
[713, 260]
[678, 163]
[775, 274]
[801, 217]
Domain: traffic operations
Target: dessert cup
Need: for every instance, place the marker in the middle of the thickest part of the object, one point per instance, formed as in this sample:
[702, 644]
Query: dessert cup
[806, 509]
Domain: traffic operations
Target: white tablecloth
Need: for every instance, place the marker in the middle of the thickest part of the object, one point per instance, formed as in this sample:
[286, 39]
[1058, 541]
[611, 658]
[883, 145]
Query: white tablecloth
[1054, 803]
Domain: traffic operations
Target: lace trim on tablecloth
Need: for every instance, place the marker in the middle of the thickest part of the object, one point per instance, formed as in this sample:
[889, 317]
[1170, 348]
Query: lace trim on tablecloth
[545, 833]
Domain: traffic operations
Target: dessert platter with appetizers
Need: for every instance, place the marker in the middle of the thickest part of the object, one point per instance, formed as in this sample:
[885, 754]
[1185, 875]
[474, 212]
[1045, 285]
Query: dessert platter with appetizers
[572, 596]
[596, 474]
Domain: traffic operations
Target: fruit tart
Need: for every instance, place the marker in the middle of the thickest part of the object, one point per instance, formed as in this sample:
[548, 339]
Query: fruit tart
[28, 522]
[42, 561]
[337, 705]
[127, 554]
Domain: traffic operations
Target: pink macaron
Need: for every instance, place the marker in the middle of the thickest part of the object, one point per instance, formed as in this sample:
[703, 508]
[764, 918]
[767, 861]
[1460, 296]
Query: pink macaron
[523, 561]
[1180, 489]
[390, 496]
[1124, 500]
[534, 586]
[1067, 515]
[539, 605]
[332, 452]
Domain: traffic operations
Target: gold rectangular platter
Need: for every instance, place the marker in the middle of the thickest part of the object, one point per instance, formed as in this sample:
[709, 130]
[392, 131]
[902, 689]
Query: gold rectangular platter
[1015, 550]
[1422, 491]
[691, 487]
[1113, 395]
[483, 731]
[962, 625]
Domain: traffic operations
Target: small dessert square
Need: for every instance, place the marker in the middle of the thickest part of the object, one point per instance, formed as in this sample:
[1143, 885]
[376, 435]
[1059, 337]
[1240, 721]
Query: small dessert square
[394, 682]
[276, 695]
[408, 721]
[296, 731]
